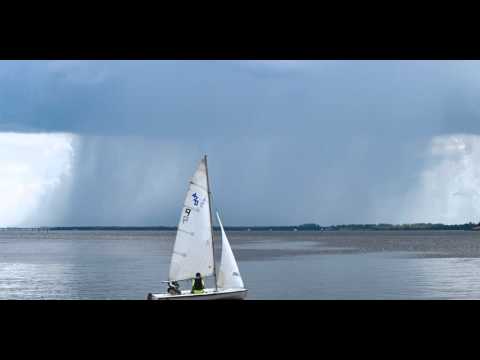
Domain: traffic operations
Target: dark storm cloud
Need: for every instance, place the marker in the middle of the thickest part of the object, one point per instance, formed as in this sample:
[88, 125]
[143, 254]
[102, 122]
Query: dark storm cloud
[289, 141]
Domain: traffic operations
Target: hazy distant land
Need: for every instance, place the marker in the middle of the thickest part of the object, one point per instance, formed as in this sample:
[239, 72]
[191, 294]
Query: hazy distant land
[304, 227]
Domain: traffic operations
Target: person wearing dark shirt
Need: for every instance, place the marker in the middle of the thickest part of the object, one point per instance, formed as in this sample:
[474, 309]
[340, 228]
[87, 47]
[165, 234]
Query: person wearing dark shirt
[198, 285]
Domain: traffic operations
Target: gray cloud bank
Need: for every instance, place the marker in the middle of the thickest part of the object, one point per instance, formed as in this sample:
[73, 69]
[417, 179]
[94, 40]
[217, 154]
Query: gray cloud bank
[289, 142]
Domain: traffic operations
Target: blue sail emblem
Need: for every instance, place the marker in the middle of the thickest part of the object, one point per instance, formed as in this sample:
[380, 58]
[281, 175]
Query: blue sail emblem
[196, 199]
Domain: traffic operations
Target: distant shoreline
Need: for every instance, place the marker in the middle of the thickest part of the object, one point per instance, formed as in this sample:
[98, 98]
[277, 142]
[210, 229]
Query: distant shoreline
[305, 227]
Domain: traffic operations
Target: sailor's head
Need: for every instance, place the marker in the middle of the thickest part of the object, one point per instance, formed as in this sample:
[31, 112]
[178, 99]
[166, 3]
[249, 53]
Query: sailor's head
[198, 275]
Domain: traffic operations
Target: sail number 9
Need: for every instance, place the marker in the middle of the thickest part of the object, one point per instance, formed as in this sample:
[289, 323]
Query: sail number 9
[187, 215]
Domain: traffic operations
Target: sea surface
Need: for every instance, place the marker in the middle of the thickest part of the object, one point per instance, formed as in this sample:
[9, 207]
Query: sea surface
[275, 265]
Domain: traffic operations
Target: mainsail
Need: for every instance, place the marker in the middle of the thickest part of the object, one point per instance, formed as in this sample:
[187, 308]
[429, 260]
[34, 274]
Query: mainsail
[193, 250]
[229, 275]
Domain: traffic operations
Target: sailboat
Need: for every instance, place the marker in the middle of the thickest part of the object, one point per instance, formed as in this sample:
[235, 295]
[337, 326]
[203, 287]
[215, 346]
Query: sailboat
[193, 251]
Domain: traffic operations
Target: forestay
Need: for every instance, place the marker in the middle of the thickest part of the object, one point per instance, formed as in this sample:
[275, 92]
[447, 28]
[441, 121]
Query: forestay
[229, 275]
[192, 251]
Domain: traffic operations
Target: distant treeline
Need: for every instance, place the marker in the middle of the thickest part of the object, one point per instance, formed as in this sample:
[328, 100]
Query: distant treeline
[391, 227]
[305, 227]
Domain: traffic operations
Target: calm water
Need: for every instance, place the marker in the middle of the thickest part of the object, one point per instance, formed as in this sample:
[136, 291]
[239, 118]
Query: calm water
[340, 265]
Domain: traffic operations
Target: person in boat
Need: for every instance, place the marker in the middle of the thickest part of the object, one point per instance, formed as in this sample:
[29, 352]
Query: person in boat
[174, 288]
[198, 285]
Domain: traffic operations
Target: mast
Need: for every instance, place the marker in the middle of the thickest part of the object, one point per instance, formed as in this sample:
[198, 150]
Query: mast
[211, 223]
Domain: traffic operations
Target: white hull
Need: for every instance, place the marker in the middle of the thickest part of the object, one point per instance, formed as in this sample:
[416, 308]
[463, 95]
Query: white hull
[209, 294]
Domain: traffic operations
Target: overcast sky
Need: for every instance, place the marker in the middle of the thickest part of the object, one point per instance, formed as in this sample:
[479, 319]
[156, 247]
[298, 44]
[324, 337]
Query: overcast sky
[289, 142]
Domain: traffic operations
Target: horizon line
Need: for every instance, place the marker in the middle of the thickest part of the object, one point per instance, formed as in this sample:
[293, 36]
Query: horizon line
[301, 226]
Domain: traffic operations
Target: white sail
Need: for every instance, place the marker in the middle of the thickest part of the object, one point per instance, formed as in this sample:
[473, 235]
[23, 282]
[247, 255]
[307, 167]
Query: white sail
[229, 275]
[193, 252]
